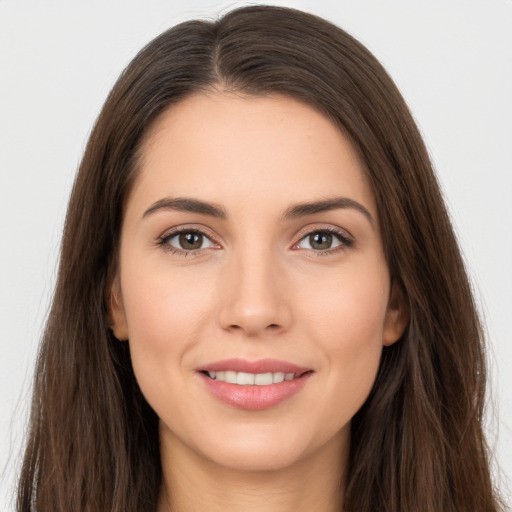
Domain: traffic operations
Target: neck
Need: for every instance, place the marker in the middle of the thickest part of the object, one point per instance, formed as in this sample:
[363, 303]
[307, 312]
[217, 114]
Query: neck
[192, 483]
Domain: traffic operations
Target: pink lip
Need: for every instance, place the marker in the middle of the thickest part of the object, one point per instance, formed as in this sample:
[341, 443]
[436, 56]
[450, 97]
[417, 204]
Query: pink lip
[261, 366]
[254, 397]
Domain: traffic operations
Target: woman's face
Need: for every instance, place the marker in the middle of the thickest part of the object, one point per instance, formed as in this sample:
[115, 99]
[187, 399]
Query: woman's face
[251, 253]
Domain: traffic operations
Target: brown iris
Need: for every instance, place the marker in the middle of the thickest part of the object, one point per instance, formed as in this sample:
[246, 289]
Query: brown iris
[191, 241]
[320, 241]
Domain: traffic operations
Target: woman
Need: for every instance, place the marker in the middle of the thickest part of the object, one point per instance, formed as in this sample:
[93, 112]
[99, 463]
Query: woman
[261, 304]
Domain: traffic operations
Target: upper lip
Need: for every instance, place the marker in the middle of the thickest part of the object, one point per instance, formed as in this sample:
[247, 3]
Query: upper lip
[259, 366]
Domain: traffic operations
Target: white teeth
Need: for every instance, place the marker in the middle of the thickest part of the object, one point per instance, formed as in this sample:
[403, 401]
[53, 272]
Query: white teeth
[263, 379]
[277, 377]
[251, 379]
[230, 377]
[245, 379]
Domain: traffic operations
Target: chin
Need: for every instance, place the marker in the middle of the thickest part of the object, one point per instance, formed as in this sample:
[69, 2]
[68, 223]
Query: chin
[270, 448]
[257, 458]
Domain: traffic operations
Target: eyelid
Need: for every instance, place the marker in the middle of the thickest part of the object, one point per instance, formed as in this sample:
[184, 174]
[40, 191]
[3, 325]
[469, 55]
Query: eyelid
[190, 228]
[195, 228]
[346, 239]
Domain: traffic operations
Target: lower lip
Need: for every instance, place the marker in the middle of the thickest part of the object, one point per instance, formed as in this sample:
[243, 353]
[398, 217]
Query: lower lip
[255, 398]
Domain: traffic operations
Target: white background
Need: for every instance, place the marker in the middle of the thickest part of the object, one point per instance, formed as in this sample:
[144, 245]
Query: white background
[451, 59]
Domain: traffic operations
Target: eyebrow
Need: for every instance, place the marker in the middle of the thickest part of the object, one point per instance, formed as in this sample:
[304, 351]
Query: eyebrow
[186, 204]
[334, 203]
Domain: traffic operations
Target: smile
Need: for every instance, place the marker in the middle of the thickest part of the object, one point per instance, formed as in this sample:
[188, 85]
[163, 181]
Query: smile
[251, 379]
[254, 385]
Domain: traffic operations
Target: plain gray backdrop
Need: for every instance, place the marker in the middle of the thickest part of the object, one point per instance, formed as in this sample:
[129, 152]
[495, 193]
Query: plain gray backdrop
[451, 59]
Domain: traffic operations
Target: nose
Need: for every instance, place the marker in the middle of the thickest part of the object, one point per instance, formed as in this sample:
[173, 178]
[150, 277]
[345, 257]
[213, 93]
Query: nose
[253, 296]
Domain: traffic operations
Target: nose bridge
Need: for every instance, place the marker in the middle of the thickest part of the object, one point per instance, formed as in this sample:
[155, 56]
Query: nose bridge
[253, 292]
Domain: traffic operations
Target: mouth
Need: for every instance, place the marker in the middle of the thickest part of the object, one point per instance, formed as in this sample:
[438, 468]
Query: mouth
[252, 379]
[254, 385]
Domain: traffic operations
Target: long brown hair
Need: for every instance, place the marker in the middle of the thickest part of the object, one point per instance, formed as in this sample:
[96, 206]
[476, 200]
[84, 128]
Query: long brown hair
[417, 443]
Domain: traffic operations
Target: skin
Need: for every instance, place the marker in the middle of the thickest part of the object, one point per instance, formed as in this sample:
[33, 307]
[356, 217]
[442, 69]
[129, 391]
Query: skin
[255, 289]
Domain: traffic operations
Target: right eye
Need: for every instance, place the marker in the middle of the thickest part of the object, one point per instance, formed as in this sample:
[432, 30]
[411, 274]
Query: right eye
[186, 241]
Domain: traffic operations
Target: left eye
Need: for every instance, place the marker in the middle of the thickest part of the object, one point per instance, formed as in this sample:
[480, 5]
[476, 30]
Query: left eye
[321, 241]
[189, 241]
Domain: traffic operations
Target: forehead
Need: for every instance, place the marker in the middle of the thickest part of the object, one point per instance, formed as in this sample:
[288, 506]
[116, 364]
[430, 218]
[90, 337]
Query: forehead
[232, 148]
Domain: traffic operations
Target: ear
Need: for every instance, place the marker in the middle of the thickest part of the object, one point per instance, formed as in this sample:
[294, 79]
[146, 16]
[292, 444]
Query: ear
[397, 316]
[116, 314]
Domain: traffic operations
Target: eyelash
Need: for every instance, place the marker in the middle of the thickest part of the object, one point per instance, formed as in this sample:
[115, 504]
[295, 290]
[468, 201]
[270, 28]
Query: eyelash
[345, 241]
[163, 241]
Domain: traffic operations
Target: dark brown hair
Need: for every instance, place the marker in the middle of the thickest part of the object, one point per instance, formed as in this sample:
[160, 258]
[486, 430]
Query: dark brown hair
[417, 443]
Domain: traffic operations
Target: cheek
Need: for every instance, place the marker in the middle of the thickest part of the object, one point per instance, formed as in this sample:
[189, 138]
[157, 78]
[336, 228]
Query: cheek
[346, 317]
[348, 308]
[165, 311]
[159, 300]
